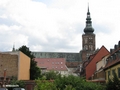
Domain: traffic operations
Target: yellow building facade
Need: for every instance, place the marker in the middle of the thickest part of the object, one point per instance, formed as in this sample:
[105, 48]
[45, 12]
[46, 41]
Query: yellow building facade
[111, 71]
[23, 67]
[113, 63]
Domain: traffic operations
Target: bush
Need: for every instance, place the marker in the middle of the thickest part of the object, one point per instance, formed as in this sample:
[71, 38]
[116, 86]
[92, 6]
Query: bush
[51, 75]
[67, 83]
[76, 83]
[42, 84]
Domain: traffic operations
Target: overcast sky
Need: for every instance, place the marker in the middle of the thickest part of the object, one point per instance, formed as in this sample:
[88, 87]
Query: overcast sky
[57, 25]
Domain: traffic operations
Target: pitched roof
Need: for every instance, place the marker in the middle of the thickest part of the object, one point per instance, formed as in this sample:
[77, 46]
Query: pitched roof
[112, 61]
[69, 56]
[57, 64]
[91, 66]
[97, 54]
[114, 57]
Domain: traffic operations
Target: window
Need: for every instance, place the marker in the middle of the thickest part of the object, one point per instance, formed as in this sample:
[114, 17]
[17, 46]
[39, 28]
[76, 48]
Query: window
[113, 72]
[119, 72]
[91, 47]
[114, 57]
[111, 58]
[108, 74]
[105, 75]
[85, 47]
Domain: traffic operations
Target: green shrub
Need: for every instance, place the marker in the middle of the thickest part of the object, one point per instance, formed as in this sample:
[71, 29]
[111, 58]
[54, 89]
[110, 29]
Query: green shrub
[42, 84]
[67, 83]
[76, 83]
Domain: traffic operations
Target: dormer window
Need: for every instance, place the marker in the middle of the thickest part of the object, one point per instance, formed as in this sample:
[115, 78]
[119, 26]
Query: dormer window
[115, 56]
[107, 60]
[111, 58]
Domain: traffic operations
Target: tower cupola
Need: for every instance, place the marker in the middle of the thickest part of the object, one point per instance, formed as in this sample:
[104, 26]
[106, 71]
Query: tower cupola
[88, 28]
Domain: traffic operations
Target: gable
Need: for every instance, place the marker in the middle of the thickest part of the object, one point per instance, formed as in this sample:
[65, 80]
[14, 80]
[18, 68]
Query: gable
[91, 67]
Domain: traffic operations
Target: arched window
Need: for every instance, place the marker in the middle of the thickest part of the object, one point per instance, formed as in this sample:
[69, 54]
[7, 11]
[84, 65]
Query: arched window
[91, 47]
[85, 47]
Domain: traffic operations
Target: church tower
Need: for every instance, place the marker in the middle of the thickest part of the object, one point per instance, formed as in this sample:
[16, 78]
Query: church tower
[88, 38]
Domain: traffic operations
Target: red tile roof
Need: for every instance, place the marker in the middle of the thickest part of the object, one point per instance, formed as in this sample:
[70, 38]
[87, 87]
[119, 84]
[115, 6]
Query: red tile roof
[57, 64]
[112, 63]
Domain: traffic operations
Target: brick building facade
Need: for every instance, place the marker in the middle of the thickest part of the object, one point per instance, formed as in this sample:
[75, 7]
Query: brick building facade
[9, 63]
[14, 64]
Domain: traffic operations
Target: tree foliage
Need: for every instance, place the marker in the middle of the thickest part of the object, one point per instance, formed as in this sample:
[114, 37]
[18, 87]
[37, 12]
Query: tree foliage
[76, 83]
[43, 84]
[67, 83]
[51, 75]
[33, 64]
[14, 81]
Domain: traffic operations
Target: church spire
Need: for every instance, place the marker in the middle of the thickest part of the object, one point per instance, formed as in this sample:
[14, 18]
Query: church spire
[88, 13]
[13, 48]
[88, 28]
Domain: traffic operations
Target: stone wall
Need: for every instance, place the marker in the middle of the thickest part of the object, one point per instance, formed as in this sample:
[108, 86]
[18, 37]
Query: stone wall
[9, 63]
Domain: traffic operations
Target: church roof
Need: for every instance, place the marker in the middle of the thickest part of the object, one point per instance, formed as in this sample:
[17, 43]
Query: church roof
[70, 57]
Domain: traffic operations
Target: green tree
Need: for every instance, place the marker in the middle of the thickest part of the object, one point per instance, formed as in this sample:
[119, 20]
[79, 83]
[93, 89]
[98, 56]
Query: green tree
[66, 83]
[69, 87]
[33, 64]
[76, 83]
[14, 81]
[51, 75]
[43, 84]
